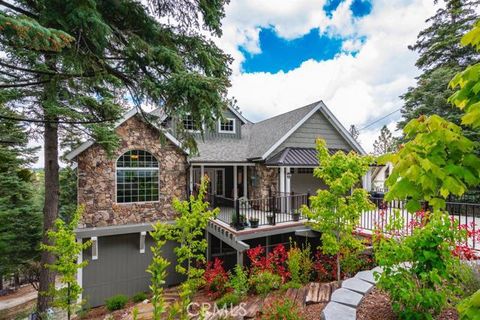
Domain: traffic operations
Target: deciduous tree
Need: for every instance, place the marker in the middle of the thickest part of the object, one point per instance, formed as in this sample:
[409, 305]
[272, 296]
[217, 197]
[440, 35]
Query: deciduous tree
[335, 212]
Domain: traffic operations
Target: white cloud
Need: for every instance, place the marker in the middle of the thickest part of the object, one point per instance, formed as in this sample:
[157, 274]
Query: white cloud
[358, 89]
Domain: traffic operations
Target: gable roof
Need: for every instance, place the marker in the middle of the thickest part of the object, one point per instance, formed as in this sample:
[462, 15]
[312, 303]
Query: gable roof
[132, 112]
[268, 135]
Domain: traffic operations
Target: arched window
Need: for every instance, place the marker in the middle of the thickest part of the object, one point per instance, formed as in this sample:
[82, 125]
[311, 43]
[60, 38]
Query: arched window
[137, 177]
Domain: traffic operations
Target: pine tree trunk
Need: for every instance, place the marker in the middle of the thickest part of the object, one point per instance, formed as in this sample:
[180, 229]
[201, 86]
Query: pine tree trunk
[50, 209]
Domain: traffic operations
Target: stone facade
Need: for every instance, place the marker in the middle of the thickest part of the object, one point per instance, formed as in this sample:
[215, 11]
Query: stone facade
[96, 178]
[266, 180]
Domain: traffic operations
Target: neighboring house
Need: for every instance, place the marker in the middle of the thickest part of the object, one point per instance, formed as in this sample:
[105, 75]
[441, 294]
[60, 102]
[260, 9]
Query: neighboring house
[262, 170]
[379, 174]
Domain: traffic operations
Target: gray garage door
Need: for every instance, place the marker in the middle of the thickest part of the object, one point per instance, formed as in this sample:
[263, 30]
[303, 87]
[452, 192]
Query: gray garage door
[120, 268]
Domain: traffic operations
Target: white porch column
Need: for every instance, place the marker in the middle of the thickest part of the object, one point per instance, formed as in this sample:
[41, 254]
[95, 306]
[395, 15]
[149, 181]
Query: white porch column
[202, 172]
[287, 188]
[367, 181]
[191, 179]
[245, 181]
[80, 270]
[282, 188]
[235, 177]
[282, 179]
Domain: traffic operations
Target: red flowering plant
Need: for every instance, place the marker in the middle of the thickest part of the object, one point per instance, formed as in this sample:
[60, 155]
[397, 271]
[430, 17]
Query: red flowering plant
[274, 262]
[216, 279]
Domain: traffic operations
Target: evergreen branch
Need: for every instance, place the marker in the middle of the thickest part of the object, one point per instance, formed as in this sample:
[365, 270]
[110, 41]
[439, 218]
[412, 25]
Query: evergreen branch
[22, 84]
[17, 9]
[57, 121]
[49, 72]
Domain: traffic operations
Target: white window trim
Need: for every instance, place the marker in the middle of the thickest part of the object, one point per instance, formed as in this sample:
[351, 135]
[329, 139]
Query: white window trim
[135, 168]
[226, 131]
[192, 130]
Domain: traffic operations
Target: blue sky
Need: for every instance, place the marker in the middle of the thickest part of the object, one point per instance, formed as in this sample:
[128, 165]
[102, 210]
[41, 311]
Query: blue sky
[280, 54]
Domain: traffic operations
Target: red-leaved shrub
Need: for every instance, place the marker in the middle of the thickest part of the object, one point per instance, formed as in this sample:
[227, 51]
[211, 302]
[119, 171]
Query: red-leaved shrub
[216, 279]
[274, 262]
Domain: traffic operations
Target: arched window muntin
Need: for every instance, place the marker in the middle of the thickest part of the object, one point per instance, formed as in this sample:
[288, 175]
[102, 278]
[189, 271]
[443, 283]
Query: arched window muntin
[137, 177]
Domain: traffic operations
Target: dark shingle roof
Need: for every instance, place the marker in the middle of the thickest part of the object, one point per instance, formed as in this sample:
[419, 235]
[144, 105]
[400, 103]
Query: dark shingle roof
[266, 133]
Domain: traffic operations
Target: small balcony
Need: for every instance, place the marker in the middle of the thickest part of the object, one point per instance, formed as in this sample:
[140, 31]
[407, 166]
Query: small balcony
[243, 213]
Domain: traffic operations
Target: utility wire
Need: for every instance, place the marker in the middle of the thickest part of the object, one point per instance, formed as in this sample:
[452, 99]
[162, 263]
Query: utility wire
[378, 120]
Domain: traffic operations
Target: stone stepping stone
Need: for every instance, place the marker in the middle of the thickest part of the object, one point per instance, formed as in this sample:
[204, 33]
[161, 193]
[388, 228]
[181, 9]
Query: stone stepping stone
[357, 285]
[347, 297]
[338, 311]
[366, 276]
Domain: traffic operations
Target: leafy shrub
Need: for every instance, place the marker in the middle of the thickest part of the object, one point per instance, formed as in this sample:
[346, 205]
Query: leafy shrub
[274, 262]
[351, 264]
[291, 285]
[283, 309]
[300, 264]
[423, 287]
[139, 297]
[325, 266]
[469, 309]
[264, 281]
[239, 281]
[228, 300]
[216, 279]
[116, 302]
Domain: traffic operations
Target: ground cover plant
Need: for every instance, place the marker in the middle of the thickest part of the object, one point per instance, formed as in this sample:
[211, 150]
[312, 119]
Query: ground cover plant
[116, 302]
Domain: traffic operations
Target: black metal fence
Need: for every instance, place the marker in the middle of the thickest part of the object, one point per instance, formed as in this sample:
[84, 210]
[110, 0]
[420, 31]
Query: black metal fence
[467, 214]
[252, 213]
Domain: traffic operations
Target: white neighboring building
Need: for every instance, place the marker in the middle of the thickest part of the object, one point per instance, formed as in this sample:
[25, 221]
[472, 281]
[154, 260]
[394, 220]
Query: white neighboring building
[380, 174]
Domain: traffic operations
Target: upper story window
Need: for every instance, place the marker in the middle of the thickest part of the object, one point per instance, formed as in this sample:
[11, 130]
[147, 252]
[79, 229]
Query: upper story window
[188, 123]
[227, 125]
[137, 177]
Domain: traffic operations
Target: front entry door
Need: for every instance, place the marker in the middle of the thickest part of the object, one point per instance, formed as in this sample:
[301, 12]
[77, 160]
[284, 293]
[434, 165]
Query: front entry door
[216, 180]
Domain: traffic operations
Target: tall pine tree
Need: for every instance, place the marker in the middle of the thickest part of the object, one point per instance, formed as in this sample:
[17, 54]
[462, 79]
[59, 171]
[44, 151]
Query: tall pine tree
[69, 66]
[440, 57]
[20, 214]
[385, 143]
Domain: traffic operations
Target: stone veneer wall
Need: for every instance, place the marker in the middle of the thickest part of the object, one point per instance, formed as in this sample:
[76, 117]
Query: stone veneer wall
[266, 179]
[96, 178]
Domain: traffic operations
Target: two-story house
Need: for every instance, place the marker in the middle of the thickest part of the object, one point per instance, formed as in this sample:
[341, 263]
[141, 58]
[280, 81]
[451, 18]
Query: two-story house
[260, 175]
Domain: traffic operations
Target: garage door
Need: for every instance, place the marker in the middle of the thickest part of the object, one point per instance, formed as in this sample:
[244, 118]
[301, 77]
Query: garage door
[303, 181]
[121, 268]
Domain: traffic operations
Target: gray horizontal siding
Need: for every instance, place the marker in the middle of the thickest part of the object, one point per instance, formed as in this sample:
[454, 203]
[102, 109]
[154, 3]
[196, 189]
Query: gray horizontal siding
[215, 134]
[316, 127]
[121, 268]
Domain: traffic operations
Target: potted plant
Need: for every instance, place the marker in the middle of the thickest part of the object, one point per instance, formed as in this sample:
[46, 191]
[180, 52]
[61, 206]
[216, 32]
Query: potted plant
[271, 219]
[237, 224]
[253, 222]
[243, 220]
[296, 215]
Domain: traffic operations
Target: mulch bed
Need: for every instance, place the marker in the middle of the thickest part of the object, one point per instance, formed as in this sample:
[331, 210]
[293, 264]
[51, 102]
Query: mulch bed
[377, 306]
